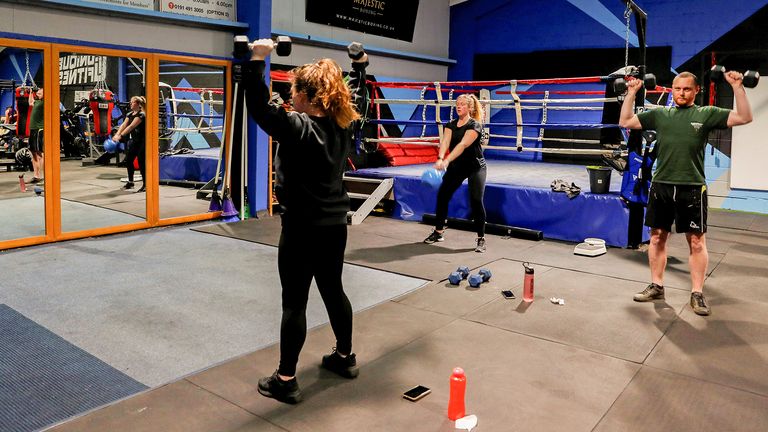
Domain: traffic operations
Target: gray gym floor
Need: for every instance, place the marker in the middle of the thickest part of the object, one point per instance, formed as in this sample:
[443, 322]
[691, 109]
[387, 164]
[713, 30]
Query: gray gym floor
[171, 309]
[91, 198]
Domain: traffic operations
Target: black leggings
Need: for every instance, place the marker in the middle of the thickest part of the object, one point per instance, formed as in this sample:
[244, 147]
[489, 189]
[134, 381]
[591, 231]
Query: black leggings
[305, 252]
[133, 151]
[451, 181]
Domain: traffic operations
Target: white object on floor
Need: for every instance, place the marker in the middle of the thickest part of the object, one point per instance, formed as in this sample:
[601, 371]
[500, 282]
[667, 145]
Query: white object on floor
[556, 300]
[468, 422]
[591, 247]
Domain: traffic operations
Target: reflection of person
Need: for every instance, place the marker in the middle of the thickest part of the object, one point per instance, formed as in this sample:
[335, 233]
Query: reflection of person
[461, 156]
[134, 127]
[678, 188]
[9, 118]
[36, 124]
[314, 140]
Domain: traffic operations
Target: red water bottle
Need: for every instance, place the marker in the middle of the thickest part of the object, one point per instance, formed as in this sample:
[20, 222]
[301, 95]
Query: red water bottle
[528, 283]
[22, 185]
[456, 397]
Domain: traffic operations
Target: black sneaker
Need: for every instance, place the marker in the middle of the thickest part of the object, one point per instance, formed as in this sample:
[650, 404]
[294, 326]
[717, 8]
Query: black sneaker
[651, 292]
[434, 237]
[699, 304]
[283, 391]
[128, 186]
[343, 366]
[480, 245]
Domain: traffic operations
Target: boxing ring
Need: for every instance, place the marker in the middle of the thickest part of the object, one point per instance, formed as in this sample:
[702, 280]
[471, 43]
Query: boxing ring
[527, 122]
[194, 117]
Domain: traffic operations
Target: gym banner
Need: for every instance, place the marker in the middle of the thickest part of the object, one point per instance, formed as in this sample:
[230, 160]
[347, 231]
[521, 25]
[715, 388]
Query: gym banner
[136, 4]
[213, 9]
[394, 19]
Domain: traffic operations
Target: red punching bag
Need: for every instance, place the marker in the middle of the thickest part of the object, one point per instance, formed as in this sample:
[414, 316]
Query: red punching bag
[101, 103]
[23, 110]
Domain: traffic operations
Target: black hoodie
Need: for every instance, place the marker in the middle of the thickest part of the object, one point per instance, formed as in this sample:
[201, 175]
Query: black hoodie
[311, 153]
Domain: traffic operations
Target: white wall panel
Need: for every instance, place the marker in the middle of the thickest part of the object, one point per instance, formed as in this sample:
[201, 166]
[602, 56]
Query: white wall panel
[430, 38]
[749, 151]
[128, 33]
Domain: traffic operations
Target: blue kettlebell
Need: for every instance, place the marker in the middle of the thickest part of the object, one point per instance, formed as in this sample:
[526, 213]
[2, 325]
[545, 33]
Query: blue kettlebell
[432, 177]
[110, 146]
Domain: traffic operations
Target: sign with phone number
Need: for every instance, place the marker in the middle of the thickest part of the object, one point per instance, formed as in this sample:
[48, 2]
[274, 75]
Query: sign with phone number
[136, 4]
[213, 9]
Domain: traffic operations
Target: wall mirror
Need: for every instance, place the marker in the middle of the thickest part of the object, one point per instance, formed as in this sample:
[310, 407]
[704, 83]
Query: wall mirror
[103, 140]
[22, 177]
[192, 131]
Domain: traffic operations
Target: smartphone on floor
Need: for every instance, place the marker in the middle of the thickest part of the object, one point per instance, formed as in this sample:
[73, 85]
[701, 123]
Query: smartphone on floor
[509, 295]
[416, 393]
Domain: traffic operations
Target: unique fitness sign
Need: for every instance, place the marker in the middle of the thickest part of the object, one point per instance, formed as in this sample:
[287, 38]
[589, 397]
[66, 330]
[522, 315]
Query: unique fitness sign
[136, 4]
[82, 69]
[213, 9]
[394, 19]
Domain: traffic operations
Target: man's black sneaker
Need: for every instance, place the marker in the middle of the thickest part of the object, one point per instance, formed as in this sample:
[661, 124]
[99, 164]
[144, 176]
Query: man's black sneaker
[699, 304]
[283, 391]
[480, 245]
[343, 366]
[651, 292]
[434, 237]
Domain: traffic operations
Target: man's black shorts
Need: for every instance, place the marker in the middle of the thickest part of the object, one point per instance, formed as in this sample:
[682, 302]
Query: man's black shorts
[685, 205]
[36, 140]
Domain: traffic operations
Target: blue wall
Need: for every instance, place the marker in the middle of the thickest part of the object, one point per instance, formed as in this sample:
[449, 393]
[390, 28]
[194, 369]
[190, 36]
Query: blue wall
[498, 26]
[258, 14]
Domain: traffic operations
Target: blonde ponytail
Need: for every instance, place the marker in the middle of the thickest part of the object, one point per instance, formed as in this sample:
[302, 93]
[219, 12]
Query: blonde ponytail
[474, 106]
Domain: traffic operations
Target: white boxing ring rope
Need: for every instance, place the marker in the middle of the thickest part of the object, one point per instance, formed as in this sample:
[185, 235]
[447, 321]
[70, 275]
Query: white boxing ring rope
[424, 142]
[202, 102]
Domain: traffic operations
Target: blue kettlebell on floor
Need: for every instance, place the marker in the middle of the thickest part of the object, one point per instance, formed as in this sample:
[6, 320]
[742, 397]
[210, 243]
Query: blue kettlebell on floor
[432, 177]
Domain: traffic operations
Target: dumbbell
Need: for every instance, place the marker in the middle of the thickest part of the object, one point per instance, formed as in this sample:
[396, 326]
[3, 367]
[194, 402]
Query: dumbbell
[459, 275]
[649, 82]
[283, 45]
[484, 275]
[355, 50]
[751, 78]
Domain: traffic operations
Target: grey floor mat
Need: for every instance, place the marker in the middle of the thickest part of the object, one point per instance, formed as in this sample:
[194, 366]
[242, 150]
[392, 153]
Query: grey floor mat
[391, 245]
[45, 379]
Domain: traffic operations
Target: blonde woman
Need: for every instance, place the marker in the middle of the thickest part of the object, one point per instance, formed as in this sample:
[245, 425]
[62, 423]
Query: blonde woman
[314, 141]
[134, 127]
[461, 156]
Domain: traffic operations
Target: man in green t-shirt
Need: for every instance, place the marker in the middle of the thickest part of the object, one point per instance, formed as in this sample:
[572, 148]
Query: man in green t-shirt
[678, 188]
[36, 124]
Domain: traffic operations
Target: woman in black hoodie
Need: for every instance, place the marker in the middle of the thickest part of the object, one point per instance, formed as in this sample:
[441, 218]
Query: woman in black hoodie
[314, 141]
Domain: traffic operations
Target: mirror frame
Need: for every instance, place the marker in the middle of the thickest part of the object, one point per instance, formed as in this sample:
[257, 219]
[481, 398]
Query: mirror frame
[225, 135]
[53, 228]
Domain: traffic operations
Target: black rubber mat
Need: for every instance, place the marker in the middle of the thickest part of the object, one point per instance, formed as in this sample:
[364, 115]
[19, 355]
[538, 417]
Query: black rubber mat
[45, 379]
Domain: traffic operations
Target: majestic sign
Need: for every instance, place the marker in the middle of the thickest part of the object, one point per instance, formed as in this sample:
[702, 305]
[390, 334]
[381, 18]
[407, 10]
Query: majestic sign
[394, 19]
[136, 4]
[82, 69]
[213, 9]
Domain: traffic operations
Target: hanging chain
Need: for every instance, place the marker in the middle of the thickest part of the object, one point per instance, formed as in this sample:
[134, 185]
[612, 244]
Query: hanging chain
[28, 74]
[627, 15]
